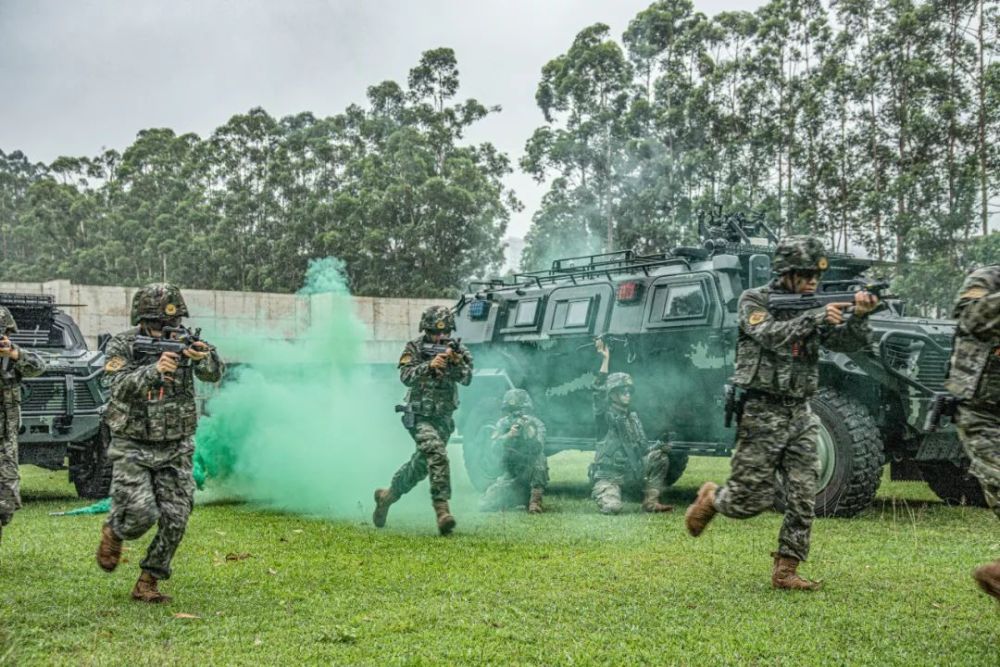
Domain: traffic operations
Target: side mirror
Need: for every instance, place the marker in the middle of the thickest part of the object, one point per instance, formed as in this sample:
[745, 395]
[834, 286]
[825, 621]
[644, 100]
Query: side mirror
[102, 341]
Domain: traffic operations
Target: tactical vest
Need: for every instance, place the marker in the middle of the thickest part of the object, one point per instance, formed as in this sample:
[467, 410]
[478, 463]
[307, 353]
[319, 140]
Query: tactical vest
[164, 412]
[431, 396]
[792, 370]
[974, 373]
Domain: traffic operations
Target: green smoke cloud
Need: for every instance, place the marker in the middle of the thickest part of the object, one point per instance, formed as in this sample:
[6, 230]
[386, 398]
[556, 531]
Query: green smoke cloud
[303, 425]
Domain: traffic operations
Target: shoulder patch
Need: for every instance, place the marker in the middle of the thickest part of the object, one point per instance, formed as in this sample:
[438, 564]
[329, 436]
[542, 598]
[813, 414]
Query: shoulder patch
[114, 364]
[756, 317]
[974, 293]
[405, 359]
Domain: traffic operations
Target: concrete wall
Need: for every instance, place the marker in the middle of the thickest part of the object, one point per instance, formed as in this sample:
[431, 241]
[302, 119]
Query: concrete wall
[98, 309]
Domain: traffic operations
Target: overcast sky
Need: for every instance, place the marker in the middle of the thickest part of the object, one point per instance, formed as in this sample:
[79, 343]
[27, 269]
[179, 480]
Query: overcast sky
[79, 76]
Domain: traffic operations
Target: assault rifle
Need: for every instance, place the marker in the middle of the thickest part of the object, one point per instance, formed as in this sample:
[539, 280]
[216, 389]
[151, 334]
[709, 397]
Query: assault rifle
[175, 339]
[444, 346]
[942, 405]
[837, 291]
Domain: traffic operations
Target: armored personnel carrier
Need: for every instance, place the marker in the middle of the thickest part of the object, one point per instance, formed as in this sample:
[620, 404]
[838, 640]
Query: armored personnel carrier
[671, 322]
[61, 409]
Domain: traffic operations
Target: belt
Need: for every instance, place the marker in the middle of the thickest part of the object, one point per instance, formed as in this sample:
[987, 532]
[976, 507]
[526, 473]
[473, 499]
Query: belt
[775, 399]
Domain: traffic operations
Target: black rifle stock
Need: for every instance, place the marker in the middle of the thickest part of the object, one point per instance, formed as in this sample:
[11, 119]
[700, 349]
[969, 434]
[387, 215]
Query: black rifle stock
[175, 339]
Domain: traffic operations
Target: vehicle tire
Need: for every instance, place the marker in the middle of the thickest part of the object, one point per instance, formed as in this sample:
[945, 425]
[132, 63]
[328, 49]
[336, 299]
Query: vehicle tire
[89, 467]
[481, 464]
[850, 454]
[678, 463]
[953, 484]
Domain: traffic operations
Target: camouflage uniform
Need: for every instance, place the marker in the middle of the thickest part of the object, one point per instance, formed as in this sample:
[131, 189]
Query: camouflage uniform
[975, 377]
[525, 466]
[152, 422]
[623, 460]
[430, 402]
[433, 398]
[12, 372]
[777, 362]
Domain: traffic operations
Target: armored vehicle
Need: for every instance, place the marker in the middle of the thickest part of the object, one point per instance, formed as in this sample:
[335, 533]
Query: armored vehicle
[61, 410]
[671, 322]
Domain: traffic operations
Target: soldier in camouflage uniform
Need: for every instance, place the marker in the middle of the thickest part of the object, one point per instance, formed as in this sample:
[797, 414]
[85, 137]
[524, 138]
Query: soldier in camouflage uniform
[777, 365]
[521, 438]
[623, 460]
[152, 417]
[15, 364]
[433, 377]
[975, 379]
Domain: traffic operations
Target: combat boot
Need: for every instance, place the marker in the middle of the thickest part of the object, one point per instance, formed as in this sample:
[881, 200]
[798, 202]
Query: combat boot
[383, 499]
[701, 510]
[109, 551]
[446, 522]
[784, 575]
[145, 590]
[535, 504]
[651, 502]
[988, 578]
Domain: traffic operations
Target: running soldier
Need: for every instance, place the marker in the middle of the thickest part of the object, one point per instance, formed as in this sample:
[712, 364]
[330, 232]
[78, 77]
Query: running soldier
[777, 365]
[624, 461]
[152, 416]
[520, 435]
[432, 366]
[15, 365]
[975, 379]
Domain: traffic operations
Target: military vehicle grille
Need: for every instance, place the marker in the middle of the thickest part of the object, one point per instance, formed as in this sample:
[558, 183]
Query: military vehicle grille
[924, 364]
[50, 397]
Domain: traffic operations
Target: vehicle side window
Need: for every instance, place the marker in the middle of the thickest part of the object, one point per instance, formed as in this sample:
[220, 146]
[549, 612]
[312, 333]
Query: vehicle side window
[526, 313]
[573, 313]
[684, 301]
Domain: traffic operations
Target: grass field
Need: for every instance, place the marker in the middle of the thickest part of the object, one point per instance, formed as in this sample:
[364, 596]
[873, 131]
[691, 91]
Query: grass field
[568, 587]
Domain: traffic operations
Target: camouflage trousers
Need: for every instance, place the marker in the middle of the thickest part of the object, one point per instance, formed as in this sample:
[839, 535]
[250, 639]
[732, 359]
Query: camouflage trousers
[979, 430]
[152, 483]
[611, 482]
[774, 438]
[514, 487]
[431, 458]
[10, 478]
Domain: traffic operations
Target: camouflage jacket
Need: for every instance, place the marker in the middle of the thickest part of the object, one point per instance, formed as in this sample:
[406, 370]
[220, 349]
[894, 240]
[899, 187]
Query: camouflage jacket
[143, 406]
[781, 356]
[524, 450]
[28, 365]
[432, 394]
[975, 360]
[621, 439]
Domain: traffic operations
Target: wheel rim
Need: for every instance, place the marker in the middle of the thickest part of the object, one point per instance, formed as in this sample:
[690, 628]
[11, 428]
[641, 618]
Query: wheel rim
[827, 454]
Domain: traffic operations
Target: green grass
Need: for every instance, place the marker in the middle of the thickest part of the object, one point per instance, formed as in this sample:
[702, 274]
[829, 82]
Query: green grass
[568, 587]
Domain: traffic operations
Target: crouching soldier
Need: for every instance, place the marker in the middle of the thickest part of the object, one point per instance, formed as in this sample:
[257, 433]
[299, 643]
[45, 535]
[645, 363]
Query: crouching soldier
[975, 379]
[432, 366]
[521, 439]
[152, 417]
[624, 462]
[15, 365]
[777, 365]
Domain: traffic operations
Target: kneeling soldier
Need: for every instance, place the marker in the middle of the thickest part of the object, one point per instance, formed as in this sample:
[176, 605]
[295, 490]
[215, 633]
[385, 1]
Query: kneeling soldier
[15, 364]
[521, 438]
[975, 379]
[777, 364]
[432, 367]
[152, 416]
[623, 461]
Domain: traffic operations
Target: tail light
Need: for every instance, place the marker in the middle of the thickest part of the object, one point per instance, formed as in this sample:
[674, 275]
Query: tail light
[629, 292]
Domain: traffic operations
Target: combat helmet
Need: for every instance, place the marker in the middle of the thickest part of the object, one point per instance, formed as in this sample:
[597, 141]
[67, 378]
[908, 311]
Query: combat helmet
[517, 400]
[7, 323]
[158, 301]
[799, 253]
[618, 381]
[437, 319]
